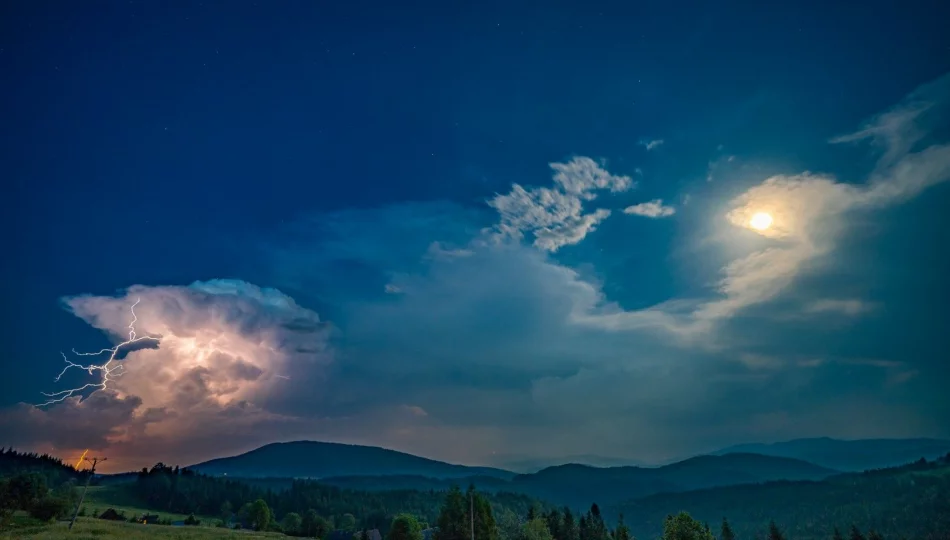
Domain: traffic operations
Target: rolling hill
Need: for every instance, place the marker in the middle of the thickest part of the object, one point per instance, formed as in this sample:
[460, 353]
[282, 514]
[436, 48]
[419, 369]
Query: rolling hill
[853, 455]
[580, 485]
[310, 459]
[912, 501]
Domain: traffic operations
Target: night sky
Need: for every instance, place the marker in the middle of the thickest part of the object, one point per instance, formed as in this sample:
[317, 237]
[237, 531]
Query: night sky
[480, 232]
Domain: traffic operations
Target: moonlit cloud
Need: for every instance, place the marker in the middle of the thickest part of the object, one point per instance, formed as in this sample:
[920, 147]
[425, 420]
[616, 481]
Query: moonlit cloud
[651, 209]
[809, 216]
[846, 306]
[555, 216]
[809, 211]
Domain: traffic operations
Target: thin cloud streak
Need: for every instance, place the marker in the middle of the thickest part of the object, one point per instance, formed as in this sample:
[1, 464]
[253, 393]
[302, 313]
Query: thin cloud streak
[651, 209]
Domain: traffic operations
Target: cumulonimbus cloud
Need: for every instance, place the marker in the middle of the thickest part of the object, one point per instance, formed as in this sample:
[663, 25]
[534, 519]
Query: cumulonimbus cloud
[227, 350]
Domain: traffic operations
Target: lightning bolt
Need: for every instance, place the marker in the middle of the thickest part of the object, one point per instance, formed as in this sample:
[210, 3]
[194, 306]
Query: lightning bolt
[108, 370]
[82, 457]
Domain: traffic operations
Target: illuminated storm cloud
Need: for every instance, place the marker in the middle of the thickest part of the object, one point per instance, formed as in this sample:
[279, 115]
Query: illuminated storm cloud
[225, 350]
[220, 342]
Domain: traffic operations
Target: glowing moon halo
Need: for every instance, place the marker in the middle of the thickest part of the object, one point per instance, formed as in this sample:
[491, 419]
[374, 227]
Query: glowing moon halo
[760, 221]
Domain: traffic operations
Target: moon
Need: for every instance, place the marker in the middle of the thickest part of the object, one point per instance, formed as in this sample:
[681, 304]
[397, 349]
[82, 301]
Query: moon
[760, 221]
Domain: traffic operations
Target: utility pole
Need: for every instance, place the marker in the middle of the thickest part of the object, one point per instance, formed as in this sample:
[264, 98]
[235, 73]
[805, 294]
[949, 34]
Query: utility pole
[95, 461]
[471, 500]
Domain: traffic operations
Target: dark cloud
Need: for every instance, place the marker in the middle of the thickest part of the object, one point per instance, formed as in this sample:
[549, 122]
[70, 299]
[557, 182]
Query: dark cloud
[90, 423]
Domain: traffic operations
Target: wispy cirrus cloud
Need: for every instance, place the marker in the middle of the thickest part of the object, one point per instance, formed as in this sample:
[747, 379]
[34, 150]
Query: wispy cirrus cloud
[845, 306]
[651, 209]
[651, 144]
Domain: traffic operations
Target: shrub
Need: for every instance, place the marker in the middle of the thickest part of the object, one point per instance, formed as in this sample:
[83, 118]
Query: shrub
[48, 508]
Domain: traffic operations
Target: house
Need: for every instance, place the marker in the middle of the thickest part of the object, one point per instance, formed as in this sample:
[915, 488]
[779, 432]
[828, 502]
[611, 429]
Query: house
[111, 515]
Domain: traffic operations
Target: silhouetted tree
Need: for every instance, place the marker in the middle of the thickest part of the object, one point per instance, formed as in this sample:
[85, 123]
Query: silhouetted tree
[725, 532]
[292, 524]
[536, 529]
[509, 526]
[314, 525]
[257, 514]
[682, 526]
[553, 519]
[774, 532]
[569, 529]
[621, 532]
[452, 523]
[405, 527]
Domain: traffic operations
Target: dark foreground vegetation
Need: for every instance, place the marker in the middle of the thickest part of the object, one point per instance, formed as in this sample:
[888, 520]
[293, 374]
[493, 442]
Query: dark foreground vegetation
[910, 502]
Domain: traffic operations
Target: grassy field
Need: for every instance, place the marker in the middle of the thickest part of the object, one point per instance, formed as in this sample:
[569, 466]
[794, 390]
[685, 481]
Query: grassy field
[93, 529]
[100, 498]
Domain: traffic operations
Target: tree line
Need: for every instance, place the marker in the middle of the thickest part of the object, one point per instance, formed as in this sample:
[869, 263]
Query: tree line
[178, 490]
[911, 501]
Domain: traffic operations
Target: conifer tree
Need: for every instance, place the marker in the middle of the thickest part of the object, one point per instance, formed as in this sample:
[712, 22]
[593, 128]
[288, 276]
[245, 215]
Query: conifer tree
[725, 532]
[774, 532]
[622, 532]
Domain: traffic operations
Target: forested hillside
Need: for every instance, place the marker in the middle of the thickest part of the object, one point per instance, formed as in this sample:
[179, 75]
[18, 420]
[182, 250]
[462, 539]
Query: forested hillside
[579, 485]
[51, 468]
[184, 491]
[849, 456]
[913, 501]
[313, 459]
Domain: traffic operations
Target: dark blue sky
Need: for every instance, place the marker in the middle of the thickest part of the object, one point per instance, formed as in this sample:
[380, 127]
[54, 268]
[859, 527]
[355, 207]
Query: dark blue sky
[322, 148]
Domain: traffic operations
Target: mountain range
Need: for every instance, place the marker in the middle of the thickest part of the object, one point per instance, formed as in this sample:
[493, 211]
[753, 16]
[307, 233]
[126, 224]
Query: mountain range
[853, 455]
[311, 459]
[911, 501]
[378, 469]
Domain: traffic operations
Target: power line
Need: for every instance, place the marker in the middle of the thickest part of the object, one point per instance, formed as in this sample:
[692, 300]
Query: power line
[95, 461]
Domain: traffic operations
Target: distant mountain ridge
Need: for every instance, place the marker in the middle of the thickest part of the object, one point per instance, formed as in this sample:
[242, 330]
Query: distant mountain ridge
[580, 485]
[311, 459]
[528, 465]
[910, 501]
[378, 469]
[849, 455]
